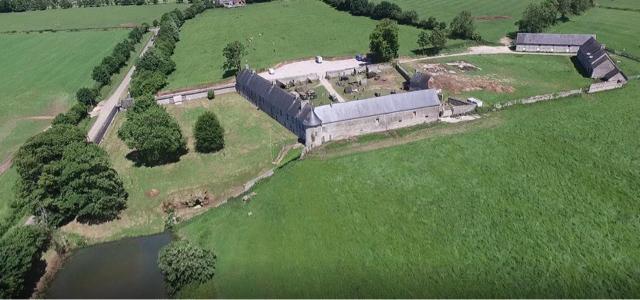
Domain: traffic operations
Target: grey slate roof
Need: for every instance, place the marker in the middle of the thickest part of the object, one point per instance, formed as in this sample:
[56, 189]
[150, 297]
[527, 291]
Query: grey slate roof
[270, 96]
[552, 39]
[377, 106]
[593, 52]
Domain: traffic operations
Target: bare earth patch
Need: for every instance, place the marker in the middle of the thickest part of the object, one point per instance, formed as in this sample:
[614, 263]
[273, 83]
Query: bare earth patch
[152, 193]
[452, 77]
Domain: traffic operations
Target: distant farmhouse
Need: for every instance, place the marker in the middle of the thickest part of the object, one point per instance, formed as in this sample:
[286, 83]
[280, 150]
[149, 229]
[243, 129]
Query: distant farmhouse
[548, 42]
[597, 63]
[319, 125]
[231, 3]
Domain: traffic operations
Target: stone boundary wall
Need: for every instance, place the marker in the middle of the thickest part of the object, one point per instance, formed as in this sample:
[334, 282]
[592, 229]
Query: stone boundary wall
[298, 79]
[353, 71]
[194, 94]
[545, 97]
[102, 130]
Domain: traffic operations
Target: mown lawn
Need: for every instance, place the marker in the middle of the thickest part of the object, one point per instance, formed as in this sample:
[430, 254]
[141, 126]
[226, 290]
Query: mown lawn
[617, 29]
[41, 73]
[274, 32]
[85, 17]
[253, 140]
[528, 75]
[624, 4]
[494, 18]
[542, 202]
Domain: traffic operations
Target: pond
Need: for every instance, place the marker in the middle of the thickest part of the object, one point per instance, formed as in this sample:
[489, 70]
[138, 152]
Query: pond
[122, 269]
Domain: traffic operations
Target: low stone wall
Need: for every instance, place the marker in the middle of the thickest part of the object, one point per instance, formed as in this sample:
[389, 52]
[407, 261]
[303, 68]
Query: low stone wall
[604, 86]
[298, 79]
[102, 130]
[358, 70]
[194, 94]
[545, 97]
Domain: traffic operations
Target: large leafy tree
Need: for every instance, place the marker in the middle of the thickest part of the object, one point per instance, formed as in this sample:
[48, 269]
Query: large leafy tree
[438, 39]
[62, 177]
[233, 54]
[87, 96]
[154, 134]
[38, 152]
[208, 133]
[462, 26]
[86, 186]
[383, 41]
[20, 249]
[183, 263]
[537, 17]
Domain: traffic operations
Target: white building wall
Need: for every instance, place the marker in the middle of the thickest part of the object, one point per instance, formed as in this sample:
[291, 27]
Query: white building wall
[547, 48]
[343, 130]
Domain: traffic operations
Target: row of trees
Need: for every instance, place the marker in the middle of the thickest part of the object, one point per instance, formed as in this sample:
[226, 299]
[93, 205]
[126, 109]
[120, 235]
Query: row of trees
[539, 16]
[155, 65]
[149, 129]
[385, 10]
[7, 6]
[383, 41]
[110, 65]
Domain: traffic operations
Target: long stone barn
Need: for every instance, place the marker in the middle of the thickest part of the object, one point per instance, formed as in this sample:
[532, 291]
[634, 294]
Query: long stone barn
[318, 125]
[551, 42]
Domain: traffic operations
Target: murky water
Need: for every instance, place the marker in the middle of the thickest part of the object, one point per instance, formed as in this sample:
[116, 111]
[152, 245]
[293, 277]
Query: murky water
[122, 269]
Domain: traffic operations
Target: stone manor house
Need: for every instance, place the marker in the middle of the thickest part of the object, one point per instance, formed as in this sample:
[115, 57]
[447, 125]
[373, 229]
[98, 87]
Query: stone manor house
[318, 125]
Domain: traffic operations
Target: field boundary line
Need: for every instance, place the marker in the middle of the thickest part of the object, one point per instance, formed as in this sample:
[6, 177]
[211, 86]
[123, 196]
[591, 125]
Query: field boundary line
[69, 29]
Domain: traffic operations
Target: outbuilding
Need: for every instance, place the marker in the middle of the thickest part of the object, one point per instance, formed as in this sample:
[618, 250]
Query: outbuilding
[551, 42]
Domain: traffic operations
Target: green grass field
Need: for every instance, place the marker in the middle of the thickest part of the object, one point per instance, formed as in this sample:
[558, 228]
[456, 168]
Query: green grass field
[624, 4]
[616, 29]
[7, 181]
[533, 201]
[253, 140]
[528, 75]
[494, 18]
[41, 76]
[86, 17]
[278, 31]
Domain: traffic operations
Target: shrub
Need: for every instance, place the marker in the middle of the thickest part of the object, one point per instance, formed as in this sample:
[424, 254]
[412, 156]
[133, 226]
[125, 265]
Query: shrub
[208, 133]
[183, 263]
[211, 94]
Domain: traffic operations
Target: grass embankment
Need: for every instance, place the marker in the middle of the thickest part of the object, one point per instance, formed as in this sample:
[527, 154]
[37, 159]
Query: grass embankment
[252, 140]
[617, 29]
[85, 17]
[494, 18]
[278, 31]
[41, 73]
[509, 77]
[543, 203]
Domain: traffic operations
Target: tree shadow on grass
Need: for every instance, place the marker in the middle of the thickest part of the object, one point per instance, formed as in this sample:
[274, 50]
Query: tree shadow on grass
[141, 160]
[428, 51]
[229, 73]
